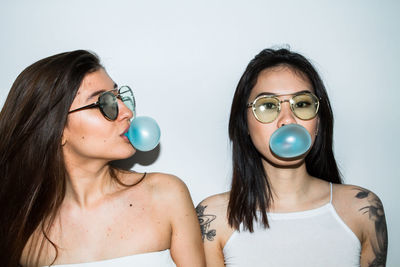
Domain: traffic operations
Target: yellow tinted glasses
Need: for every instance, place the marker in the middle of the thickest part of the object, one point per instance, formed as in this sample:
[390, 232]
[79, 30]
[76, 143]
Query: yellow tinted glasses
[266, 108]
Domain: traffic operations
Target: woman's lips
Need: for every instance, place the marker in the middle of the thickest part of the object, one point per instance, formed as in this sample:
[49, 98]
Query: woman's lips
[124, 132]
[125, 138]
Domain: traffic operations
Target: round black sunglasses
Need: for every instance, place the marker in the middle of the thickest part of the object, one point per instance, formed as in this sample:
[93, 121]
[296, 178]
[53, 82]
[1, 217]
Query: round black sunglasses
[108, 102]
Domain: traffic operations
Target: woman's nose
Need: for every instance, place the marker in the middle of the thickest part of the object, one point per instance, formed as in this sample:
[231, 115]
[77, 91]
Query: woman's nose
[286, 115]
[124, 111]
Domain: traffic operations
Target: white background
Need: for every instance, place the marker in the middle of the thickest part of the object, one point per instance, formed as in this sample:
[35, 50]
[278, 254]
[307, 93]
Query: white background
[184, 58]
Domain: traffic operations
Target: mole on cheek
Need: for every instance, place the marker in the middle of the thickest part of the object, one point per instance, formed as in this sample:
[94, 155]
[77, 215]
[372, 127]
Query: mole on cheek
[83, 137]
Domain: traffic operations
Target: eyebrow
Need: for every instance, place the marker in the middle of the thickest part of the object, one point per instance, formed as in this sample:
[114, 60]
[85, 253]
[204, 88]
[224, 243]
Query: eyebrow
[98, 92]
[269, 93]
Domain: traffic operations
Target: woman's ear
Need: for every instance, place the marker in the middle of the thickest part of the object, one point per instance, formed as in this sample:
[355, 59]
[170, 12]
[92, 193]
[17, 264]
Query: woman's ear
[63, 139]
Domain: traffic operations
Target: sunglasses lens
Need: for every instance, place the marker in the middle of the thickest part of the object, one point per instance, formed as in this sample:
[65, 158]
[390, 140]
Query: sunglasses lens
[305, 106]
[266, 109]
[127, 97]
[108, 105]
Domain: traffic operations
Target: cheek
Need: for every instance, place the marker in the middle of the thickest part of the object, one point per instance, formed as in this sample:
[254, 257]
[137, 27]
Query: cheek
[259, 132]
[311, 127]
[88, 128]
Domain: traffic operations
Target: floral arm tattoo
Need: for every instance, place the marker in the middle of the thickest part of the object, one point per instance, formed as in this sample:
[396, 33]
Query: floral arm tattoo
[205, 220]
[376, 214]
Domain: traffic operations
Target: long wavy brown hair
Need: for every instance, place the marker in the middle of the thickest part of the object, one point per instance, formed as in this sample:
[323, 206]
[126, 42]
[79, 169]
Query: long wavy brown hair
[32, 170]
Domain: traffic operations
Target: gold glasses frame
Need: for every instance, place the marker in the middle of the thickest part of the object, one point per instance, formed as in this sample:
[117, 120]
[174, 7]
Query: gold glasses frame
[291, 102]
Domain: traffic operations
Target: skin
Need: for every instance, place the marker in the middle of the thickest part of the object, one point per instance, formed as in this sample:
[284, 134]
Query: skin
[293, 188]
[100, 219]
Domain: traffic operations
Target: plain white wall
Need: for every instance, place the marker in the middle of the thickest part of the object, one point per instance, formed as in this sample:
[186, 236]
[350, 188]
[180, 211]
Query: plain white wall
[184, 58]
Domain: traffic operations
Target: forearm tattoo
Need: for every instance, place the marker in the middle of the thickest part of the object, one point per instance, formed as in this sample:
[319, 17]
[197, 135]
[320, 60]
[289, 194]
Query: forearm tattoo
[205, 220]
[376, 214]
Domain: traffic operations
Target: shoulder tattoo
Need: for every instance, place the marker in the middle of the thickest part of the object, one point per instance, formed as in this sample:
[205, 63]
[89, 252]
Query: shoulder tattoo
[376, 214]
[205, 221]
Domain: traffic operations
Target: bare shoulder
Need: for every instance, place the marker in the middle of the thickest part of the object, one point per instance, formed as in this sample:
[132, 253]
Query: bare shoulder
[366, 217]
[213, 219]
[216, 203]
[366, 204]
[160, 188]
[356, 199]
[160, 180]
[213, 210]
[167, 187]
[360, 208]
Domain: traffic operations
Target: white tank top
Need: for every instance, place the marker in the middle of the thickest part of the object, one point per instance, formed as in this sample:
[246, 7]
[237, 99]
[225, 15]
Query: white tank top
[312, 238]
[151, 259]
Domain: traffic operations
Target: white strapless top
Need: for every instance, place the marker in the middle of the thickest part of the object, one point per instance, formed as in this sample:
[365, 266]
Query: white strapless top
[151, 259]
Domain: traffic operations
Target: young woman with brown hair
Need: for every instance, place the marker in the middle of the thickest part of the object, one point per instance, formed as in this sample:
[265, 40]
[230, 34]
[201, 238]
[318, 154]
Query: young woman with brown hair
[61, 202]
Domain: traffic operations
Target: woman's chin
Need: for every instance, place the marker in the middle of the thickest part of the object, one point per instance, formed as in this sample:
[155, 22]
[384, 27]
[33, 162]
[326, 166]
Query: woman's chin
[127, 153]
[280, 162]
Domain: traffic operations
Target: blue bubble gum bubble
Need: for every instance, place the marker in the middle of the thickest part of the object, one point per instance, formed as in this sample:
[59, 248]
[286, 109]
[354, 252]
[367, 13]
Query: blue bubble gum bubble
[144, 133]
[290, 141]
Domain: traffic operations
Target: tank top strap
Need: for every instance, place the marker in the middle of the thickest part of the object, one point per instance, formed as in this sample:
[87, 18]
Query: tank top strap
[330, 201]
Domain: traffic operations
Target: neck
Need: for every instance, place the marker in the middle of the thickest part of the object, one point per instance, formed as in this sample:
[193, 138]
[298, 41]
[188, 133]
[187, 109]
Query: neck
[290, 185]
[88, 182]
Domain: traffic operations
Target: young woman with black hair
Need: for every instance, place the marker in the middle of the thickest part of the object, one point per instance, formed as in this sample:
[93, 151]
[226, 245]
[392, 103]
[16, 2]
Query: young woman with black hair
[61, 201]
[288, 210]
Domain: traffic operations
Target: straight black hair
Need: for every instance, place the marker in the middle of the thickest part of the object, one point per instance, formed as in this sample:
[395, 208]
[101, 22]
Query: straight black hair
[250, 189]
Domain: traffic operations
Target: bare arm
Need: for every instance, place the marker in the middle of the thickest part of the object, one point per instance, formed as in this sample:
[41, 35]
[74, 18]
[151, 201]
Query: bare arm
[186, 246]
[214, 229]
[375, 239]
